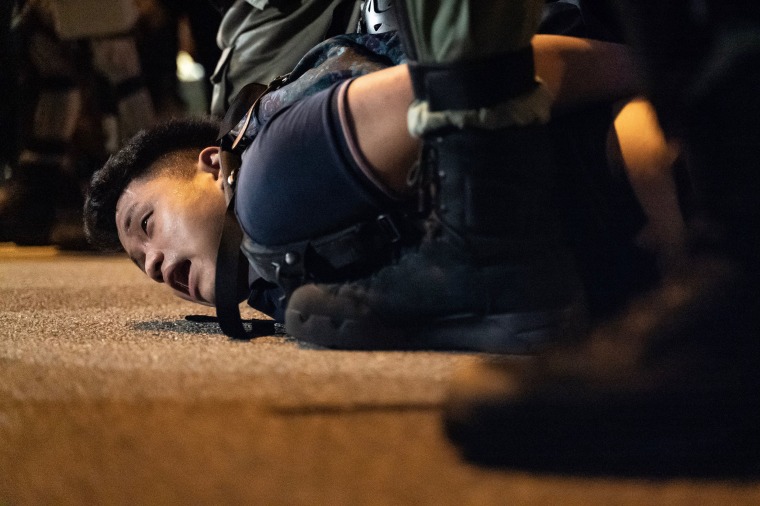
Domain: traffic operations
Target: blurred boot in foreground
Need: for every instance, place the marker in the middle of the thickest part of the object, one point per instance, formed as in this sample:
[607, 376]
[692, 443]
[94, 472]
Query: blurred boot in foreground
[672, 385]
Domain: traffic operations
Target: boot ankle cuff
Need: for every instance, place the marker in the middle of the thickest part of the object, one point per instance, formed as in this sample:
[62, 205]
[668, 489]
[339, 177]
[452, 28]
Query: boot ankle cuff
[474, 84]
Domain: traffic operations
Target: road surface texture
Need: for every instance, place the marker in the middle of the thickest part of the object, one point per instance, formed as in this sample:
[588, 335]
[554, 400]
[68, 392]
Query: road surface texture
[109, 395]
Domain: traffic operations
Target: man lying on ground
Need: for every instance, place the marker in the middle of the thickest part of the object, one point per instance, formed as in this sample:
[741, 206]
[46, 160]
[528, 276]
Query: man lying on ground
[331, 150]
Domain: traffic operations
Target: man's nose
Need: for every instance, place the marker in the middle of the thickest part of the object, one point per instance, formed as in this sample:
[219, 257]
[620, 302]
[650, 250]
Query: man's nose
[153, 262]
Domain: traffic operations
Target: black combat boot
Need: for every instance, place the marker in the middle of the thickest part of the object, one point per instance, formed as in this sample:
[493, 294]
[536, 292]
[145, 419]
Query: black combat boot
[492, 273]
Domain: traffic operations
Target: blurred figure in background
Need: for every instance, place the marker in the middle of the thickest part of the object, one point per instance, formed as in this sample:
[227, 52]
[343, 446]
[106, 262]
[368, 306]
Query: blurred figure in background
[165, 30]
[8, 89]
[68, 55]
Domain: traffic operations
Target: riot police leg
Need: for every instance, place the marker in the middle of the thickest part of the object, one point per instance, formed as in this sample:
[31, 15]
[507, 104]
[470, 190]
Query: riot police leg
[29, 196]
[492, 273]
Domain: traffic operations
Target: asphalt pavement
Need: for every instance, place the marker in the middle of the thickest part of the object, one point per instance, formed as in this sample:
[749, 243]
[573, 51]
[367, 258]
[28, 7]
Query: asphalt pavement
[109, 394]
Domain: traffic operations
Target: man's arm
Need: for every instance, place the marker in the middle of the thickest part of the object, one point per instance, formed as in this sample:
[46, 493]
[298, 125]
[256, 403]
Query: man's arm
[580, 71]
[575, 71]
[377, 106]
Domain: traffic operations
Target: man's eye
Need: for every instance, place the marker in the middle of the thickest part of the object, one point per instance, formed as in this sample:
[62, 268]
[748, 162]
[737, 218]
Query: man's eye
[144, 223]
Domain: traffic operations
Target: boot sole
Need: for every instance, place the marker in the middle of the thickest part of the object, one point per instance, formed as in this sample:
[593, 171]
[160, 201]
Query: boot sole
[513, 333]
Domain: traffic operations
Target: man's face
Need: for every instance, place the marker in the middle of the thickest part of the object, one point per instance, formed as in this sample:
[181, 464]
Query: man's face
[170, 228]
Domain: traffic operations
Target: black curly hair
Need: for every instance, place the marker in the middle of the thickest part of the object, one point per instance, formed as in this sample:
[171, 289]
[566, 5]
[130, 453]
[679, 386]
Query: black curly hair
[147, 153]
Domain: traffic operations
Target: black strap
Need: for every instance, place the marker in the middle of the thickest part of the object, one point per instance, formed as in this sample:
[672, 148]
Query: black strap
[245, 98]
[475, 83]
[243, 106]
[231, 265]
[231, 271]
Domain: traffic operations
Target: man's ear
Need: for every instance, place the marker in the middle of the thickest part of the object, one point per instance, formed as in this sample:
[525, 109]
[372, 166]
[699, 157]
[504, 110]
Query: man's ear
[208, 161]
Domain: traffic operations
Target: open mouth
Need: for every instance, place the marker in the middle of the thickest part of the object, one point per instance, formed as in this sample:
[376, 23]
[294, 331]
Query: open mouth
[180, 277]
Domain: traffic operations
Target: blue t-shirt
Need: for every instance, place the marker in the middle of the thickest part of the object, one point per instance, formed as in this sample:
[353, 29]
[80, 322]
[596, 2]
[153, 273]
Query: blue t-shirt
[299, 176]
